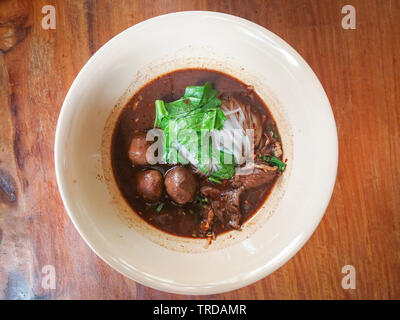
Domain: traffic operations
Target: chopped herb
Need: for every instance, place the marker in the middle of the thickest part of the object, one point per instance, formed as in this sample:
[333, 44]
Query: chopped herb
[214, 180]
[274, 161]
[160, 207]
[275, 134]
[201, 199]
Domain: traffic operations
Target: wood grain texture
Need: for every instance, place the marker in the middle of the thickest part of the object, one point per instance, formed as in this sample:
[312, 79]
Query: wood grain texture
[359, 70]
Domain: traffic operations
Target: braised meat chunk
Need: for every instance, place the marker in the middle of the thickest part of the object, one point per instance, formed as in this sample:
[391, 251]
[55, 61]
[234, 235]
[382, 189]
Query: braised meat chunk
[225, 205]
[262, 174]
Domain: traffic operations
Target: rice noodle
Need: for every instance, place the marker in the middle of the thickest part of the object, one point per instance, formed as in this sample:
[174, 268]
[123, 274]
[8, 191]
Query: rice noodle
[241, 131]
[240, 134]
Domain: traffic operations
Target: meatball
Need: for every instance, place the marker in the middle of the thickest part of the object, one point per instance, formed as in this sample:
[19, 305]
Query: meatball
[138, 148]
[181, 185]
[149, 184]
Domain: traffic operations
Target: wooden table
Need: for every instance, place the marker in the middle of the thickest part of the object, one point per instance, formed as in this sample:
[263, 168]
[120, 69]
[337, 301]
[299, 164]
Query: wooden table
[359, 70]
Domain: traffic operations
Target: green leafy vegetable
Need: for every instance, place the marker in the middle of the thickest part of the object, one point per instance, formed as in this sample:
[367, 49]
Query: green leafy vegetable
[161, 112]
[228, 169]
[184, 122]
[274, 161]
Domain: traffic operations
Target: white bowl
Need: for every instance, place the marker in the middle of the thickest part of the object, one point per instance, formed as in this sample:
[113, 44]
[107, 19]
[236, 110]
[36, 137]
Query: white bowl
[210, 40]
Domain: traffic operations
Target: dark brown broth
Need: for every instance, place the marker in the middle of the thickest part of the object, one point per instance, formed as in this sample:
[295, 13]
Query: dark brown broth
[138, 115]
